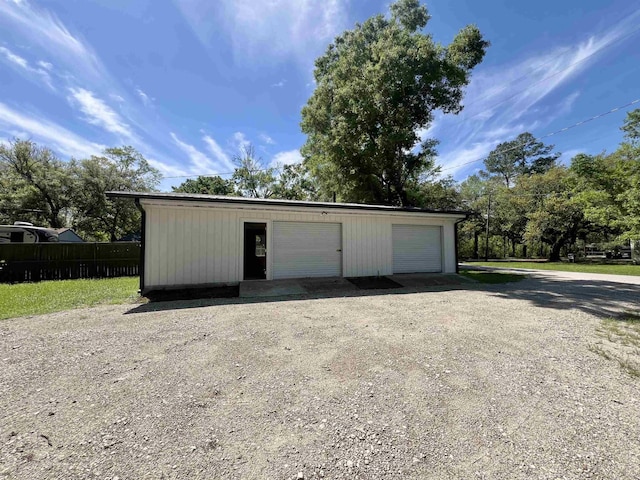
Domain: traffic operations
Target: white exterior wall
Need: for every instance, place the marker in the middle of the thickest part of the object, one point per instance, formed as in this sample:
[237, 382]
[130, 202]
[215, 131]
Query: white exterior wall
[191, 243]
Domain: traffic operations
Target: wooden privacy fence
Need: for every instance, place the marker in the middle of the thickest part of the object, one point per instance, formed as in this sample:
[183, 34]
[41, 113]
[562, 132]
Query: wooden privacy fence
[32, 262]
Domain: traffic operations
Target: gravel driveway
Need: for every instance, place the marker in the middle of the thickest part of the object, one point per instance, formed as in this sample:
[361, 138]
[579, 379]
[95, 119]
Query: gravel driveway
[483, 382]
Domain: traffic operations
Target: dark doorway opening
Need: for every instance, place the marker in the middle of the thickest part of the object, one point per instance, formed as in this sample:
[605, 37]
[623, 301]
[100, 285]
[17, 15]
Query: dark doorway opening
[255, 251]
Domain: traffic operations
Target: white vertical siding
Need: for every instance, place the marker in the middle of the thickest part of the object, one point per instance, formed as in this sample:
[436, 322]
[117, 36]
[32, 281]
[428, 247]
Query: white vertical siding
[202, 244]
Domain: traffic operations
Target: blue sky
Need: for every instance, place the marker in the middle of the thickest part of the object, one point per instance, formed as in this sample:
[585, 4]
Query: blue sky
[188, 82]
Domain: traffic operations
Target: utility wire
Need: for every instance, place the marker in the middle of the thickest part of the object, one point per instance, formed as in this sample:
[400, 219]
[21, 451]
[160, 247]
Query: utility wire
[477, 100]
[275, 169]
[562, 130]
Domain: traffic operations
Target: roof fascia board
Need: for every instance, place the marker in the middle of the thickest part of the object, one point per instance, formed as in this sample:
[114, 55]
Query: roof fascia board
[311, 209]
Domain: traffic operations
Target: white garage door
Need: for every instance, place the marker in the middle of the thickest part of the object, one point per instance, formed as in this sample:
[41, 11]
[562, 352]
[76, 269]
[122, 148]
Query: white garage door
[306, 250]
[416, 248]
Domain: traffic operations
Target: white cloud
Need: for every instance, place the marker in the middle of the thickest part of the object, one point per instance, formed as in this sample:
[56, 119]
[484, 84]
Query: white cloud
[567, 155]
[567, 104]
[87, 85]
[24, 66]
[267, 29]
[218, 153]
[45, 65]
[167, 170]
[241, 141]
[506, 100]
[279, 84]
[76, 65]
[14, 58]
[458, 159]
[146, 99]
[200, 163]
[97, 112]
[267, 139]
[43, 28]
[56, 137]
[286, 158]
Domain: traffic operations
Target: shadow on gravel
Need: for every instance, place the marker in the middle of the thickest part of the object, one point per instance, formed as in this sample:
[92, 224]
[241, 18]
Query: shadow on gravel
[156, 305]
[596, 297]
[600, 298]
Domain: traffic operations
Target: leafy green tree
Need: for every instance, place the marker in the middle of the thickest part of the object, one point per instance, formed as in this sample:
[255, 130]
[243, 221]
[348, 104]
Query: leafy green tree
[628, 166]
[377, 86]
[437, 194]
[207, 185]
[523, 156]
[34, 181]
[474, 199]
[555, 217]
[295, 183]
[123, 169]
[598, 190]
[608, 186]
[506, 221]
[251, 178]
[631, 128]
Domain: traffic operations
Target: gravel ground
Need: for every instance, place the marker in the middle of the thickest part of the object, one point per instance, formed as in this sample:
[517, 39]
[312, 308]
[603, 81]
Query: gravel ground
[487, 382]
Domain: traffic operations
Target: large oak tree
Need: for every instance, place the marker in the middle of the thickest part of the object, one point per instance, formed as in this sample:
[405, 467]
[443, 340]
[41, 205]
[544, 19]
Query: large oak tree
[378, 85]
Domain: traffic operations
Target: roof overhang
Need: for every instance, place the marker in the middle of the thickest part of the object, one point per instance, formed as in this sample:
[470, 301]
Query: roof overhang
[271, 204]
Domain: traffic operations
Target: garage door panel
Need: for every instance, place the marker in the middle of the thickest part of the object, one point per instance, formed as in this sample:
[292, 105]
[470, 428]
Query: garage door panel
[417, 248]
[305, 249]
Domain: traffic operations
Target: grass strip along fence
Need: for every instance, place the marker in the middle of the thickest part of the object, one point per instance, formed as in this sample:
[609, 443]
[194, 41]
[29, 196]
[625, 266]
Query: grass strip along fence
[33, 262]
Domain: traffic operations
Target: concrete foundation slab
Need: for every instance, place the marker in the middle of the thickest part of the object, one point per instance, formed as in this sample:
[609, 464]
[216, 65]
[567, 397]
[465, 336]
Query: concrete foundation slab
[337, 285]
[298, 286]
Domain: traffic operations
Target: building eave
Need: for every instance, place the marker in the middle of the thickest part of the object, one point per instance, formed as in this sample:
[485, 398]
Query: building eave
[262, 203]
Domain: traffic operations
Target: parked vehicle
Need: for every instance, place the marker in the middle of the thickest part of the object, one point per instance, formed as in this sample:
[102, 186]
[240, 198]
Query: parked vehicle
[24, 232]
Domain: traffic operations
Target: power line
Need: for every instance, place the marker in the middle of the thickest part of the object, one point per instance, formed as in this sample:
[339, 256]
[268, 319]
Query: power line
[562, 130]
[275, 169]
[477, 100]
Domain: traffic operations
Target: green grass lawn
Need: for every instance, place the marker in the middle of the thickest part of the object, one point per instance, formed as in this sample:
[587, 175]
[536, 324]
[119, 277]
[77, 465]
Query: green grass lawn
[567, 267]
[53, 296]
[491, 277]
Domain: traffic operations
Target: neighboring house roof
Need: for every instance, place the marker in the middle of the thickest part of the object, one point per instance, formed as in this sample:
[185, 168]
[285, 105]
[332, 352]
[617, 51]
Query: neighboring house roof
[189, 197]
[68, 234]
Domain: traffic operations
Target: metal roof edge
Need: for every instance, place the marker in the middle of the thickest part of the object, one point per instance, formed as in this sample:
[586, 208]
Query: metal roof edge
[276, 202]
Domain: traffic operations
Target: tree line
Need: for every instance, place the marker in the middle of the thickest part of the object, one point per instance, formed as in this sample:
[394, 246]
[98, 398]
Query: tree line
[36, 186]
[378, 86]
[537, 207]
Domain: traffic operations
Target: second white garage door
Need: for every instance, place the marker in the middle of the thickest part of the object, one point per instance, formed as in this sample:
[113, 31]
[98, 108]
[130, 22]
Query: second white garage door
[416, 248]
[303, 249]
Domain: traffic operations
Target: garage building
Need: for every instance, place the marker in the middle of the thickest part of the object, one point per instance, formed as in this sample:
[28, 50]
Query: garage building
[197, 240]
